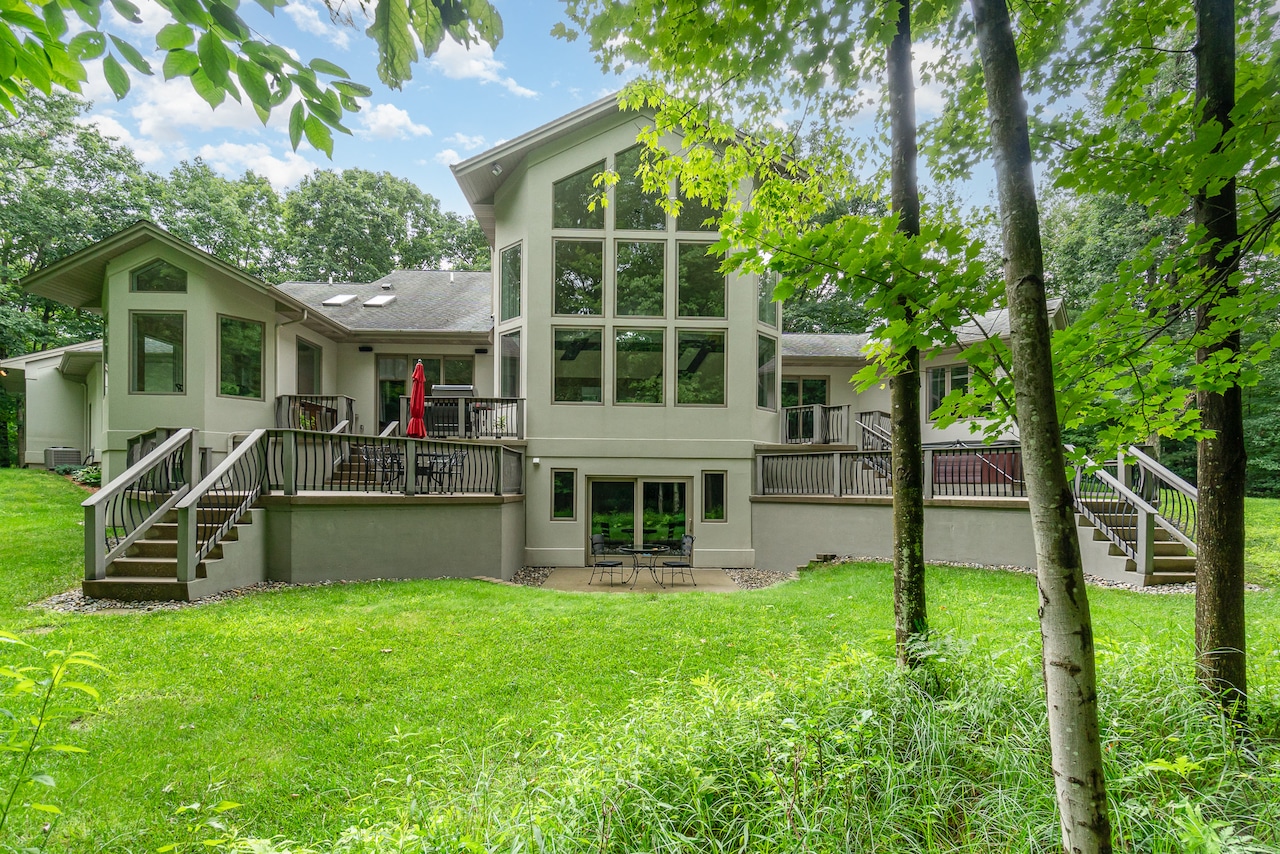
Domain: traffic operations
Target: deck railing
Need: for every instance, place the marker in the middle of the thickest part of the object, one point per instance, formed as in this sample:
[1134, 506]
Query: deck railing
[304, 461]
[986, 472]
[121, 512]
[1119, 513]
[219, 501]
[1173, 498]
[469, 417]
[816, 424]
[320, 412]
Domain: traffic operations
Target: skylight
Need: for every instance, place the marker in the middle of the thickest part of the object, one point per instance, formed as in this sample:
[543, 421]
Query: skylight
[380, 300]
[340, 299]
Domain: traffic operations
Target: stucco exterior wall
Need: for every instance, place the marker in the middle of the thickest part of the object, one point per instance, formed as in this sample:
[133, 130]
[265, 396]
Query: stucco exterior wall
[56, 410]
[789, 532]
[359, 537]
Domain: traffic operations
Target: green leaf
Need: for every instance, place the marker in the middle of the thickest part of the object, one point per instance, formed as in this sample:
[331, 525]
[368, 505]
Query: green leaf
[131, 55]
[44, 780]
[89, 12]
[324, 66]
[396, 50]
[116, 76]
[272, 5]
[127, 10]
[207, 89]
[49, 808]
[318, 135]
[174, 36]
[355, 90]
[87, 45]
[254, 83]
[214, 59]
[54, 19]
[296, 118]
[229, 20]
[180, 63]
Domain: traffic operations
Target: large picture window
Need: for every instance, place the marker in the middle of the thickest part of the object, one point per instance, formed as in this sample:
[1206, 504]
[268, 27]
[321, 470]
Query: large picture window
[767, 373]
[158, 352]
[509, 275]
[694, 215]
[700, 364]
[240, 345]
[579, 276]
[633, 207]
[579, 366]
[638, 366]
[641, 265]
[509, 369]
[804, 391]
[571, 200]
[159, 277]
[713, 496]
[700, 282]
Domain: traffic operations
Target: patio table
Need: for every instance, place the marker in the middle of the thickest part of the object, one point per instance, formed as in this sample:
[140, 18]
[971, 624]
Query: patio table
[638, 553]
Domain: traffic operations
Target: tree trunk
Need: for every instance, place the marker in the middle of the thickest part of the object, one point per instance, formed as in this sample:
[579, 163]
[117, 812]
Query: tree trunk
[910, 615]
[1065, 628]
[1220, 633]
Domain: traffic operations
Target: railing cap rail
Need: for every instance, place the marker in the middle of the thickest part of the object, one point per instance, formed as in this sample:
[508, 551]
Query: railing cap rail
[120, 483]
[1133, 497]
[1178, 483]
[198, 491]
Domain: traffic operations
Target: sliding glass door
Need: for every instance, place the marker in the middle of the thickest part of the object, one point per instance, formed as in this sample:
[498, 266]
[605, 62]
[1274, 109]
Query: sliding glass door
[639, 511]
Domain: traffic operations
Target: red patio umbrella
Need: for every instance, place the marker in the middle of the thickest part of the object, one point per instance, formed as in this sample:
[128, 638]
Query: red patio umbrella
[417, 404]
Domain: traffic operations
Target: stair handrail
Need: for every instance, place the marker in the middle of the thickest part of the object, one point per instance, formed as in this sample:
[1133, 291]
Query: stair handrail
[389, 430]
[236, 483]
[127, 501]
[1143, 550]
[1178, 516]
[869, 424]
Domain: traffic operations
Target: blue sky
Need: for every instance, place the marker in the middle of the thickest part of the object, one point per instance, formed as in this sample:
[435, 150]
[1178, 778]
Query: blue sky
[458, 103]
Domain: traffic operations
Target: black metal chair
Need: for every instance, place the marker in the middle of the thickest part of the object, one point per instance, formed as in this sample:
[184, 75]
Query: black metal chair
[682, 567]
[603, 567]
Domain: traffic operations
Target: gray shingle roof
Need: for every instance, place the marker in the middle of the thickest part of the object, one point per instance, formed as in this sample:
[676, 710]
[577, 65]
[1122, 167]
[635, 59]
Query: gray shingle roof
[805, 345]
[426, 301]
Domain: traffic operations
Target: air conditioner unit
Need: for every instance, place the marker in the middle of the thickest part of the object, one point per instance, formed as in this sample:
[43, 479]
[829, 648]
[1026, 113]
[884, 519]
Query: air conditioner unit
[54, 457]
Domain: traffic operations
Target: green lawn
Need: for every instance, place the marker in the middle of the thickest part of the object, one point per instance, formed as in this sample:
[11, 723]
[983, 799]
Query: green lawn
[290, 702]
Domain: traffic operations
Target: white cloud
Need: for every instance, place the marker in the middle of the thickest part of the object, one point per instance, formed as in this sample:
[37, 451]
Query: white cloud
[475, 63]
[448, 157]
[232, 159]
[144, 149]
[470, 143]
[386, 121]
[307, 17]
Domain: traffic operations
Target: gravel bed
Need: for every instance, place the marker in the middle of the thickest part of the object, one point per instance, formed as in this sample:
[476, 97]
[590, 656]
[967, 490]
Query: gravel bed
[74, 601]
[532, 576]
[1093, 580]
[753, 579]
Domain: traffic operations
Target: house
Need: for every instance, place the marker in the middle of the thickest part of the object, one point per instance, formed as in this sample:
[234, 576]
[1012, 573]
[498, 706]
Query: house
[606, 378]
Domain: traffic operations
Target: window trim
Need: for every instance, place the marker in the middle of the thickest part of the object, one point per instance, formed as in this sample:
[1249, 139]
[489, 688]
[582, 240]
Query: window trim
[573, 516]
[724, 289]
[133, 276]
[604, 267]
[776, 391]
[604, 367]
[948, 376]
[617, 290]
[262, 358]
[702, 514]
[132, 368]
[594, 168]
[300, 340]
[724, 333]
[518, 245]
[621, 329]
[799, 379]
[502, 360]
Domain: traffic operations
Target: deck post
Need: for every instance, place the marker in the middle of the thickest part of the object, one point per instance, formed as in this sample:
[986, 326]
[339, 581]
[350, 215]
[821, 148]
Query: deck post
[95, 534]
[188, 540]
[497, 470]
[289, 462]
[759, 473]
[1146, 541]
[928, 473]
[837, 487]
[411, 467]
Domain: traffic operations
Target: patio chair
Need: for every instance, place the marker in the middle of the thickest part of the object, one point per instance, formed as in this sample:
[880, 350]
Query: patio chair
[603, 567]
[441, 469]
[683, 566]
[384, 463]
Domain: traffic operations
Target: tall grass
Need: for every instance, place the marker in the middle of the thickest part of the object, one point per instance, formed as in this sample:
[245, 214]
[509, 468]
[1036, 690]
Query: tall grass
[850, 755]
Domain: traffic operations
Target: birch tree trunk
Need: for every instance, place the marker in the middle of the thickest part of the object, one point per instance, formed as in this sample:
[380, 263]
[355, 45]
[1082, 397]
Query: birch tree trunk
[1065, 627]
[1220, 629]
[910, 615]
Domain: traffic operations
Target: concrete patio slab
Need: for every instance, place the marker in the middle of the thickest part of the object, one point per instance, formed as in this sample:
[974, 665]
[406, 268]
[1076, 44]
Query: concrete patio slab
[574, 580]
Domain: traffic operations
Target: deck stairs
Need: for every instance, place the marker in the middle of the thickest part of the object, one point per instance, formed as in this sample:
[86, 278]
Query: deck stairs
[1136, 525]
[148, 570]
